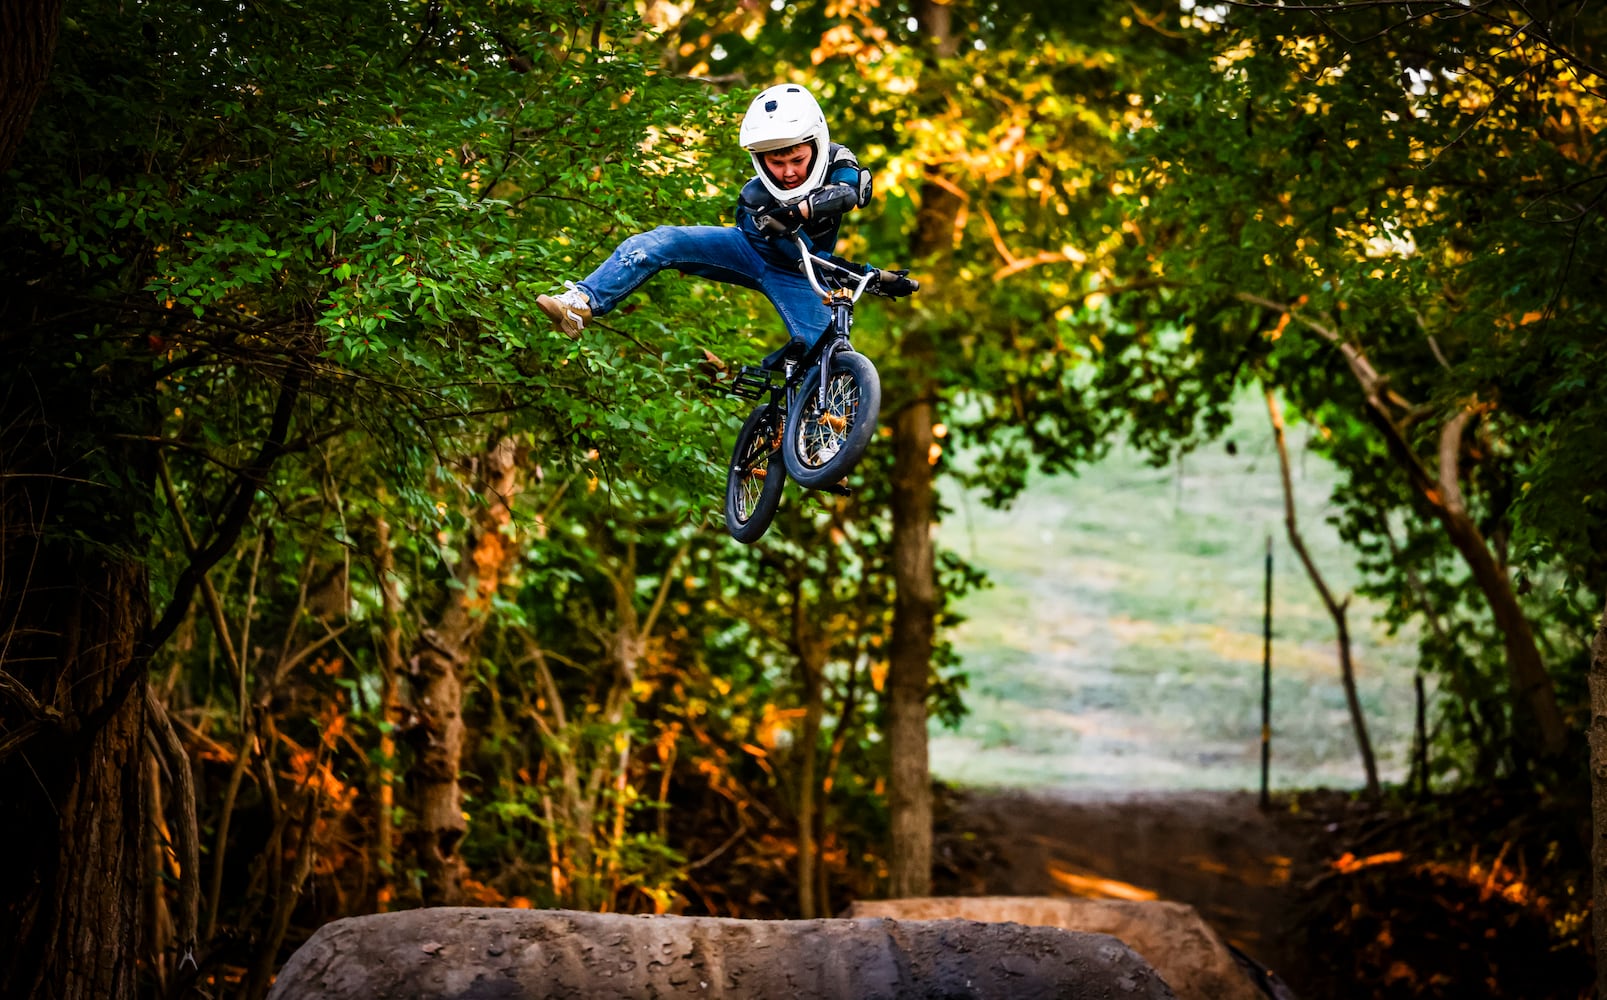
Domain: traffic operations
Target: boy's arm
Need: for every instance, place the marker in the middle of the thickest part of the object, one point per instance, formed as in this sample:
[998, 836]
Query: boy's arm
[847, 186]
[754, 200]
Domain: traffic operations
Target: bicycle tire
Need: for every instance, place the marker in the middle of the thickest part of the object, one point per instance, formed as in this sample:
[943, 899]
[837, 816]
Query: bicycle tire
[822, 446]
[754, 480]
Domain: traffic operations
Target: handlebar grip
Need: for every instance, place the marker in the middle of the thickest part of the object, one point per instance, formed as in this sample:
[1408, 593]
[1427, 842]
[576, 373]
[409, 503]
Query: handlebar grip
[886, 279]
[769, 225]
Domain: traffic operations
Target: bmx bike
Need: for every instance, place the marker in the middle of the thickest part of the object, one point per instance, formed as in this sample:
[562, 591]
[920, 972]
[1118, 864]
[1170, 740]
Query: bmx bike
[817, 411]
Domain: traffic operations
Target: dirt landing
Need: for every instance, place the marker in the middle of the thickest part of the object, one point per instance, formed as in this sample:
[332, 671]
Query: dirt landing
[462, 953]
[1213, 850]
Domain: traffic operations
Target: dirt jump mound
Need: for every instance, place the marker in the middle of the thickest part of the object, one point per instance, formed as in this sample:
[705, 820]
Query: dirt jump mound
[492, 954]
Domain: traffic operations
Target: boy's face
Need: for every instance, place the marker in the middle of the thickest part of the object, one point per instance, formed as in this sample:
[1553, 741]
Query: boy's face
[790, 166]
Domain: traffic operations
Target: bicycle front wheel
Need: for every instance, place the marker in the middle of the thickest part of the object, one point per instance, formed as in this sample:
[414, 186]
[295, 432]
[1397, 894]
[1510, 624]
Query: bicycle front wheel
[754, 480]
[823, 444]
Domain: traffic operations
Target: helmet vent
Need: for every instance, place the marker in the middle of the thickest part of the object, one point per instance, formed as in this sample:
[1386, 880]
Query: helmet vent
[770, 106]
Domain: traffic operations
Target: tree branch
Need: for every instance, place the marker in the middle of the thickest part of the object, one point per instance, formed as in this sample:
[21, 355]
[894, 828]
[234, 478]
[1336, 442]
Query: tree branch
[189, 836]
[238, 499]
[1450, 478]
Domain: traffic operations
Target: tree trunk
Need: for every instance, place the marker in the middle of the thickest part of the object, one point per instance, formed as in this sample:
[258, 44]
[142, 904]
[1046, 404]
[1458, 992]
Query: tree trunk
[438, 728]
[389, 714]
[811, 649]
[1336, 609]
[75, 617]
[439, 658]
[1533, 695]
[1598, 798]
[909, 667]
[910, 656]
[28, 32]
[74, 797]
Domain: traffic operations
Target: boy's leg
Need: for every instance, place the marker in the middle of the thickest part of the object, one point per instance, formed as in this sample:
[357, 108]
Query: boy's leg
[717, 252]
[798, 303]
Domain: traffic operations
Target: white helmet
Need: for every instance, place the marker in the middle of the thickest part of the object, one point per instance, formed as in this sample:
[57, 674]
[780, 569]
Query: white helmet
[786, 115]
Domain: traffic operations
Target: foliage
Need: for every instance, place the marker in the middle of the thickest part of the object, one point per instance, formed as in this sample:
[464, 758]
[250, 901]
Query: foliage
[333, 223]
[1351, 184]
[1406, 889]
[273, 272]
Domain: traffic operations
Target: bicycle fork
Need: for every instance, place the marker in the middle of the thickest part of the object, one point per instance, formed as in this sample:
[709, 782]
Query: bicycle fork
[842, 309]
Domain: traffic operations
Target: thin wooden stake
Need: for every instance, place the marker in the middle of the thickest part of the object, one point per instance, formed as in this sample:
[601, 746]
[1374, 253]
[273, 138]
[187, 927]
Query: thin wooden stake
[1266, 687]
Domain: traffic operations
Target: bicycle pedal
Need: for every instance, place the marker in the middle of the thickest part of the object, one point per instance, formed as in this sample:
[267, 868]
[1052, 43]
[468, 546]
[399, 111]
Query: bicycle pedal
[751, 382]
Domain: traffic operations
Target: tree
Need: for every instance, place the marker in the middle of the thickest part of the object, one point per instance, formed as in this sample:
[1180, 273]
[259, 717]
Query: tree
[30, 31]
[1346, 199]
[1337, 609]
[442, 655]
[252, 234]
[988, 125]
[1598, 790]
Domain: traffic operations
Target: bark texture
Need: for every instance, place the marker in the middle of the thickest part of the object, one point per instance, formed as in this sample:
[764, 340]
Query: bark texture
[72, 790]
[555, 954]
[909, 786]
[1598, 797]
[811, 646]
[439, 660]
[74, 641]
[909, 668]
[28, 33]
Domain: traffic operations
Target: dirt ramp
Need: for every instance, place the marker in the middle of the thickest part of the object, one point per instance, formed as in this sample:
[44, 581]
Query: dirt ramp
[460, 953]
[1187, 953]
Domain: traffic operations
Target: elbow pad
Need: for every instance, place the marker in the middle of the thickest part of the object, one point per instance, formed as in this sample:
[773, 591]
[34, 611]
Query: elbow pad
[862, 187]
[754, 197]
[833, 199]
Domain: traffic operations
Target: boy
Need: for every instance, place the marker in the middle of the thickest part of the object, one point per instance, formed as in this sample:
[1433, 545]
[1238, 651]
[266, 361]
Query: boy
[803, 183]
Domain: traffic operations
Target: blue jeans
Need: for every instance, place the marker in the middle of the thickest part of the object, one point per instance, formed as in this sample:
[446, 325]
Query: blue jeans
[718, 252]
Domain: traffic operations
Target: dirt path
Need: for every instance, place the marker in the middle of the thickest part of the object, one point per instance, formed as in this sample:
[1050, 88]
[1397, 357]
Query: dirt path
[1213, 850]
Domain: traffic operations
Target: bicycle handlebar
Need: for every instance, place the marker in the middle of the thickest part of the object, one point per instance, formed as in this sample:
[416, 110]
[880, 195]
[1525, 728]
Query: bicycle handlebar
[810, 261]
[860, 281]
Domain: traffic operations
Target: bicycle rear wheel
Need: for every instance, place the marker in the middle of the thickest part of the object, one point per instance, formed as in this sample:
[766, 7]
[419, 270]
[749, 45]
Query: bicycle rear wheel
[754, 479]
[822, 445]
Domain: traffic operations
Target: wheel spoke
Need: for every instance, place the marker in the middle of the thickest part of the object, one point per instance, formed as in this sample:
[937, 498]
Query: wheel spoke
[752, 473]
[825, 431]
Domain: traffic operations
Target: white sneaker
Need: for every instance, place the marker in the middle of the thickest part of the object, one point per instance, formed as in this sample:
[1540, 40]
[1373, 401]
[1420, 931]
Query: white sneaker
[569, 311]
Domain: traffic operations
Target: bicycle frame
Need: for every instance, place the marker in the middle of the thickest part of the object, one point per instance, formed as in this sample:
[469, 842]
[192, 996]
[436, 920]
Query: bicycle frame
[840, 300]
[839, 289]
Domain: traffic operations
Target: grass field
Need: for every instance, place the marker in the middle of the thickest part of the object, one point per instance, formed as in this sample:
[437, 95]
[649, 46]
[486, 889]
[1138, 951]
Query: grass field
[1120, 644]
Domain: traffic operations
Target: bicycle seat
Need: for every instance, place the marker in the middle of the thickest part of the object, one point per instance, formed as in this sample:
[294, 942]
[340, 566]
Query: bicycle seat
[793, 350]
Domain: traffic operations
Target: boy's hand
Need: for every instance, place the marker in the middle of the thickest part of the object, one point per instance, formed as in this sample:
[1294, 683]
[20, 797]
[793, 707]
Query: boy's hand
[896, 284]
[782, 221]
